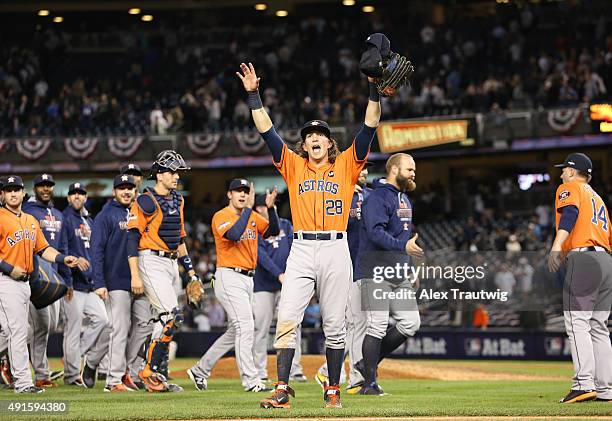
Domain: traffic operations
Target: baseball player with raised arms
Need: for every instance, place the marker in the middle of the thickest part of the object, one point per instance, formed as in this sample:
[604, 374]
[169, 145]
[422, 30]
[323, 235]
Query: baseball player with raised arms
[584, 241]
[20, 238]
[385, 241]
[112, 280]
[236, 229]
[272, 254]
[44, 320]
[156, 240]
[355, 316]
[81, 301]
[321, 181]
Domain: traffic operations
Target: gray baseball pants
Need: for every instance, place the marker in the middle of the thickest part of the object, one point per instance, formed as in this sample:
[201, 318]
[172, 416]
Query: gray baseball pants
[14, 302]
[235, 293]
[587, 301]
[264, 307]
[91, 343]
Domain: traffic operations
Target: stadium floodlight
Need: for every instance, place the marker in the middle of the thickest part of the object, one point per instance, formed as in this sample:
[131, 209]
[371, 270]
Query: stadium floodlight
[147, 18]
[367, 9]
[134, 11]
[348, 2]
[261, 6]
[281, 13]
[43, 12]
[58, 19]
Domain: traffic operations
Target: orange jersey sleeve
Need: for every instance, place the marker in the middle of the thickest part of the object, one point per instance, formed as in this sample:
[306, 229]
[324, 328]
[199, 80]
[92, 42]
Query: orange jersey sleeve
[20, 238]
[592, 226]
[320, 198]
[236, 254]
[261, 222]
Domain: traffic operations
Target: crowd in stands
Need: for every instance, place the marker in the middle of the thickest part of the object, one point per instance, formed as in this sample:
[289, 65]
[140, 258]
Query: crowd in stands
[179, 76]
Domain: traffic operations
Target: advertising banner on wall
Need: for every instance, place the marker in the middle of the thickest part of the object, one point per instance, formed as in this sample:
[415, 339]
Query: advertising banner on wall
[407, 135]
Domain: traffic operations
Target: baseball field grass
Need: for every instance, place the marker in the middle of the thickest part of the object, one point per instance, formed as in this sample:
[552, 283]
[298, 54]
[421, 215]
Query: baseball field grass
[492, 392]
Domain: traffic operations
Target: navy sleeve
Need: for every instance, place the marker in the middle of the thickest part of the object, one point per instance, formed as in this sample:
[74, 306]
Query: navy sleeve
[133, 239]
[64, 270]
[569, 215]
[99, 237]
[363, 140]
[273, 224]
[376, 220]
[265, 261]
[235, 232]
[275, 143]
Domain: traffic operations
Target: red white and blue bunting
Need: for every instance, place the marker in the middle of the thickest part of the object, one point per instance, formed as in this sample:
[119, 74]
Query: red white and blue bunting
[249, 142]
[3, 144]
[124, 147]
[203, 144]
[80, 147]
[563, 121]
[33, 149]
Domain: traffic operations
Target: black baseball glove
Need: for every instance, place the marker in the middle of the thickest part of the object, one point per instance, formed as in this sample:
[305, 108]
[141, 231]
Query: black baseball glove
[388, 69]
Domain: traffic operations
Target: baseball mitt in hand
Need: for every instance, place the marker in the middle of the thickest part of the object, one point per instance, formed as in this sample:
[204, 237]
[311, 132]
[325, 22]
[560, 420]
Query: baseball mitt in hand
[195, 292]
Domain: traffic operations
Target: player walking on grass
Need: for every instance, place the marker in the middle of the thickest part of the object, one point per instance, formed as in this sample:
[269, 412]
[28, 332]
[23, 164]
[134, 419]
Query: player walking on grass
[584, 241]
[236, 229]
[20, 238]
[321, 182]
[156, 240]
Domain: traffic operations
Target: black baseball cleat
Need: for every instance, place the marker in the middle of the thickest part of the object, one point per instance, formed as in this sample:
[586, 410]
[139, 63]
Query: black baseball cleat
[199, 381]
[372, 390]
[579, 396]
[88, 375]
[31, 389]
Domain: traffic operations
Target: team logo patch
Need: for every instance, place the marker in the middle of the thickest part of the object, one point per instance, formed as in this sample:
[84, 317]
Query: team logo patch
[564, 195]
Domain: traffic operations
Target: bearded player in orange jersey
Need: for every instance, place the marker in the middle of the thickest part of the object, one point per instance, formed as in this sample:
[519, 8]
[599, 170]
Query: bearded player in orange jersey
[321, 180]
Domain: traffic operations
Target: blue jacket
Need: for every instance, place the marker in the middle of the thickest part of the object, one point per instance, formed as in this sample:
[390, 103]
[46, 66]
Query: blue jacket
[354, 223]
[109, 248]
[386, 228]
[272, 254]
[77, 229]
[50, 220]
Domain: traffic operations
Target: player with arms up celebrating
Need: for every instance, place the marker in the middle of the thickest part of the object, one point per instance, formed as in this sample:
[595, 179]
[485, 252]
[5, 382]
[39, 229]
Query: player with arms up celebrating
[584, 238]
[321, 181]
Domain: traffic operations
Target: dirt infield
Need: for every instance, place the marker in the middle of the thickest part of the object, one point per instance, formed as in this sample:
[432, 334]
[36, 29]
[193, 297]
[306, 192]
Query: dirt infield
[389, 369]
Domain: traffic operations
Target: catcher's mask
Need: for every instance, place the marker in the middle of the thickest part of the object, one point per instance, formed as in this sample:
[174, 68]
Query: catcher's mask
[168, 161]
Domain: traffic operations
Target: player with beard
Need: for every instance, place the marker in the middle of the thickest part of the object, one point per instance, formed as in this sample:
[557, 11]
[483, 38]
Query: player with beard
[385, 241]
[355, 317]
[44, 320]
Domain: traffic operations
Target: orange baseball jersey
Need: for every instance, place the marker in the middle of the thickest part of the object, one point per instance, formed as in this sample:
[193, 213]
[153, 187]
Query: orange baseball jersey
[320, 198]
[243, 253]
[593, 224]
[20, 238]
[148, 226]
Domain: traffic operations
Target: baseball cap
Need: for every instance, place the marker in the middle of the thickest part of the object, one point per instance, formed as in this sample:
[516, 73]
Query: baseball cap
[44, 179]
[12, 181]
[77, 187]
[131, 169]
[315, 125]
[578, 161]
[124, 180]
[239, 183]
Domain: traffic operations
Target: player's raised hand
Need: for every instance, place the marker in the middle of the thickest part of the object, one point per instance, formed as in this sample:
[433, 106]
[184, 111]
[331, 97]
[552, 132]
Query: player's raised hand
[249, 78]
[271, 197]
[412, 248]
[250, 202]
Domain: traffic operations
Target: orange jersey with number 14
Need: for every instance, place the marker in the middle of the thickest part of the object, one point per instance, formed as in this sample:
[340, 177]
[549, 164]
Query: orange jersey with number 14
[593, 224]
[320, 198]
